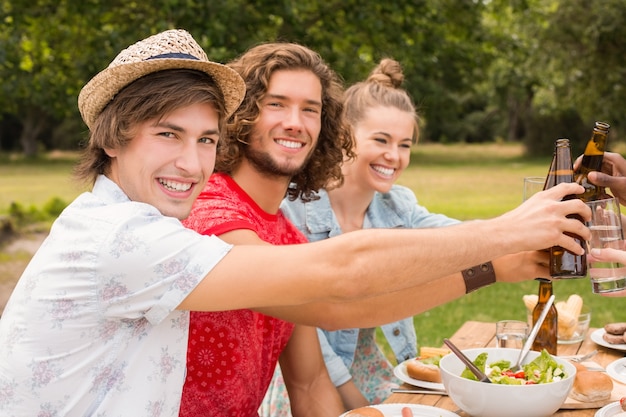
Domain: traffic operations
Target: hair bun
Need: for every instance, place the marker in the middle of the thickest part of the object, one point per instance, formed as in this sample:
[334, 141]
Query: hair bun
[388, 72]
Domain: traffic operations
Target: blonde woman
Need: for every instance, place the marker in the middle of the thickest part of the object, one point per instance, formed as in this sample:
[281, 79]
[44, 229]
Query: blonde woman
[385, 126]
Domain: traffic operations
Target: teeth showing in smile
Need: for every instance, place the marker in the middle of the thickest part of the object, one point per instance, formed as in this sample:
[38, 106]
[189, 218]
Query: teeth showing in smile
[175, 186]
[289, 144]
[383, 171]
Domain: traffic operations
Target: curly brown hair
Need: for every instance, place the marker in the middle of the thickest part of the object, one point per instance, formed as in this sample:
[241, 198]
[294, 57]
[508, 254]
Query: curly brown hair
[153, 95]
[335, 142]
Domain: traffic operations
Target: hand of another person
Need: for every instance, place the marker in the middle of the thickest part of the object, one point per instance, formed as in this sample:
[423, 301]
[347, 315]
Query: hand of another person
[407, 412]
[613, 174]
[522, 266]
[540, 222]
[608, 255]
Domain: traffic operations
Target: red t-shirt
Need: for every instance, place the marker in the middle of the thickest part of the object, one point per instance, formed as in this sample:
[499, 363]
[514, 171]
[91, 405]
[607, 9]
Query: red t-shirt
[231, 355]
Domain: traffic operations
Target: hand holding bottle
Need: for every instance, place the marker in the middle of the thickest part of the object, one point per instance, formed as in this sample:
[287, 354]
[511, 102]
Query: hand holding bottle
[541, 221]
[613, 174]
[592, 161]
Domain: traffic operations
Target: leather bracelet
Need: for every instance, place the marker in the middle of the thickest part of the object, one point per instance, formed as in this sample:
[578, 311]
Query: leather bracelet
[478, 276]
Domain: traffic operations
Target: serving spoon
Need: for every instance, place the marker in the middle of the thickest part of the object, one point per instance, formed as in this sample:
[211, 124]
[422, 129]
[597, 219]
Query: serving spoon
[533, 335]
[482, 377]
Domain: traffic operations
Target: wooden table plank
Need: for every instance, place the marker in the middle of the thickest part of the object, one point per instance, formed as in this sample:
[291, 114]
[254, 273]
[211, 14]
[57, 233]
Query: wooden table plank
[474, 334]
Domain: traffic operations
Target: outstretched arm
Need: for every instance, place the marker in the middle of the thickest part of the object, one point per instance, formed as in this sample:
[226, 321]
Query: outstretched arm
[374, 262]
[378, 310]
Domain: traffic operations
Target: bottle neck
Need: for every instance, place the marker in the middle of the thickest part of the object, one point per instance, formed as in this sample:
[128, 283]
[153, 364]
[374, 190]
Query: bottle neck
[563, 164]
[594, 151]
[545, 290]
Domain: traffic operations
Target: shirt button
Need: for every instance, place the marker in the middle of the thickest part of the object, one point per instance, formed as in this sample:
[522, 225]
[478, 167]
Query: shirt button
[396, 332]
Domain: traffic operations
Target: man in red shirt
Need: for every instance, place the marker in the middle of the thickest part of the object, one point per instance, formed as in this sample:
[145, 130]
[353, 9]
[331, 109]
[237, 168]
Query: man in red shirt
[232, 355]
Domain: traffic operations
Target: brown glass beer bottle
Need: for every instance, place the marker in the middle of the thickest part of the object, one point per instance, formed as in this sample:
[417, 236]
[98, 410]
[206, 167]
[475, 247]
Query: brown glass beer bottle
[551, 177]
[592, 161]
[563, 263]
[547, 334]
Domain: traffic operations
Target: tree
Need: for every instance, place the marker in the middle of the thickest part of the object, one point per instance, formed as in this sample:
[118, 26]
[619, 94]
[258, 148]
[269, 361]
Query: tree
[477, 69]
[588, 55]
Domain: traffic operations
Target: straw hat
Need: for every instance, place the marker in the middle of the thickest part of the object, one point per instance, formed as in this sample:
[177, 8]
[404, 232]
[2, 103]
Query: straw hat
[171, 49]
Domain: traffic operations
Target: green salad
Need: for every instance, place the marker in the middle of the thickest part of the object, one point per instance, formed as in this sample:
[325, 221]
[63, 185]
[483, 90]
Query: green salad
[542, 370]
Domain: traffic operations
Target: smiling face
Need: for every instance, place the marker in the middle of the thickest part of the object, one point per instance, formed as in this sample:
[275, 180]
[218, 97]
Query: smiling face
[383, 147]
[168, 161]
[287, 129]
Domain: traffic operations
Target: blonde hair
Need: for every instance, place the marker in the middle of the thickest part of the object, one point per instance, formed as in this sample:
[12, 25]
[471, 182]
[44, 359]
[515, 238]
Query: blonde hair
[381, 88]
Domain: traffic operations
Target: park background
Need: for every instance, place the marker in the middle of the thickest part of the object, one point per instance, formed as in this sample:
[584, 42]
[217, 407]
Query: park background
[496, 82]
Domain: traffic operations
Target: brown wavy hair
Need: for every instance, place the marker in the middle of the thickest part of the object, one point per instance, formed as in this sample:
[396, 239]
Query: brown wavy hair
[149, 97]
[381, 88]
[335, 140]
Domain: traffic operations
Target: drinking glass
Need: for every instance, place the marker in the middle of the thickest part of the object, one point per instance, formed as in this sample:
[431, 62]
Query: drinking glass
[606, 232]
[532, 185]
[511, 333]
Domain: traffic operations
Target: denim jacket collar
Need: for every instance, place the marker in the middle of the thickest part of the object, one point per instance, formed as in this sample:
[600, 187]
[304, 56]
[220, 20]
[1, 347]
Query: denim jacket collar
[321, 219]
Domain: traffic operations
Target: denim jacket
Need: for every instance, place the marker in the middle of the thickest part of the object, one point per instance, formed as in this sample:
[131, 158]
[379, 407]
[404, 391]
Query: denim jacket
[396, 209]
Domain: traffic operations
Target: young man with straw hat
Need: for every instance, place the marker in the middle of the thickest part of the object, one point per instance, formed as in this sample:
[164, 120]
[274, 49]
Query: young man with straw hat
[92, 326]
[98, 322]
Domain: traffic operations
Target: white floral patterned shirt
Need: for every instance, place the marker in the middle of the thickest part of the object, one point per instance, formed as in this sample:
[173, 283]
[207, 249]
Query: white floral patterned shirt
[91, 327]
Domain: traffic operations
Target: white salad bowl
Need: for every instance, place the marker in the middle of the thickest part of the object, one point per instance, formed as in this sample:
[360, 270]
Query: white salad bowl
[481, 399]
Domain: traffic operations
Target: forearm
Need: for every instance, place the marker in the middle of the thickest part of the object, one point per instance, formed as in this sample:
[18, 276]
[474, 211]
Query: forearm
[314, 400]
[351, 396]
[348, 267]
[378, 310]
[373, 311]
[311, 392]
[374, 262]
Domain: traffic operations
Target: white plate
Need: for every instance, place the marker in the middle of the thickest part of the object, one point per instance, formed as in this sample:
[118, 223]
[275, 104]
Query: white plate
[400, 372]
[610, 410]
[617, 370]
[596, 336]
[395, 410]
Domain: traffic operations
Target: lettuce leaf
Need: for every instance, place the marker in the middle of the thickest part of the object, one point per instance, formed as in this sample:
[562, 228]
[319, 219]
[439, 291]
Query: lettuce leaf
[480, 361]
[543, 369]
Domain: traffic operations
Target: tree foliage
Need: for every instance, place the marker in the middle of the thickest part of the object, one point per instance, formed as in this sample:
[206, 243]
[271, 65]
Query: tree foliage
[479, 70]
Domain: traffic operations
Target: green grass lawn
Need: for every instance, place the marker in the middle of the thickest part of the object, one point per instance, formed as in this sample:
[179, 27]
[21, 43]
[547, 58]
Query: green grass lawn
[35, 182]
[461, 181]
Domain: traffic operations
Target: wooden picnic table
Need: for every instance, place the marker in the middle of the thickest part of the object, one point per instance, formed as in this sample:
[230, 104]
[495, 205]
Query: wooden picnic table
[475, 334]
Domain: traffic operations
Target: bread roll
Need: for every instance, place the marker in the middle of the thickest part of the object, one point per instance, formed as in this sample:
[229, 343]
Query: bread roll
[579, 366]
[615, 328]
[591, 386]
[417, 369]
[365, 412]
